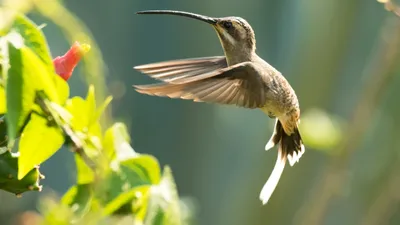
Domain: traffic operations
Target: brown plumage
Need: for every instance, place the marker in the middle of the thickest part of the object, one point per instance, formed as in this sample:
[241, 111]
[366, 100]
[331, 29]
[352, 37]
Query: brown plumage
[239, 78]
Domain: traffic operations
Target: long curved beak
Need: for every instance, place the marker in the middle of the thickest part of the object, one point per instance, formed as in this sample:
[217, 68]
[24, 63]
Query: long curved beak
[206, 19]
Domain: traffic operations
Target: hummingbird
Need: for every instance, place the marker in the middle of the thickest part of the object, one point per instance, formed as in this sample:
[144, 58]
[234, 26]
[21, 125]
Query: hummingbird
[239, 77]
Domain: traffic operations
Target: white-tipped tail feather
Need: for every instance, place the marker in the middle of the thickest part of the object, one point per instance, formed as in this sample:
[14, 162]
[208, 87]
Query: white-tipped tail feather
[290, 148]
[296, 156]
[272, 141]
[273, 179]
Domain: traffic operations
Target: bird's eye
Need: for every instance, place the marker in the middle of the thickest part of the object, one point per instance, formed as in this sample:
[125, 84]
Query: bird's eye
[227, 25]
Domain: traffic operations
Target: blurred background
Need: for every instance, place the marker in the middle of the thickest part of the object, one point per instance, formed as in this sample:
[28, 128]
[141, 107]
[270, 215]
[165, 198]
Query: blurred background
[342, 59]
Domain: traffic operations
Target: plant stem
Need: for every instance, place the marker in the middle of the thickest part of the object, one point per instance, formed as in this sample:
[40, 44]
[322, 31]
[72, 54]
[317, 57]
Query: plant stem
[77, 145]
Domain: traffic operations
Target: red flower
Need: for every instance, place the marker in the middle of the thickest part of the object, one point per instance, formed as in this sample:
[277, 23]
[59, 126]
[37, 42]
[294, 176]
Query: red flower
[65, 65]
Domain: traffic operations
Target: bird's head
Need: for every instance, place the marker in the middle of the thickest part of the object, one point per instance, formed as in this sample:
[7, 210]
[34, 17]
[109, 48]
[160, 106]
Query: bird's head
[236, 35]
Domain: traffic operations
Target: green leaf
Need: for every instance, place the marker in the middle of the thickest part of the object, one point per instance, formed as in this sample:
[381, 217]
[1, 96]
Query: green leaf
[90, 133]
[34, 39]
[27, 74]
[38, 142]
[146, 166]
[129, 170]
[90, 104]
[78, 108]
[85, 174]
[62, 89]
[82, 112]
[120, 181]
[100, 110]
[8, 175]
[93, 123]
[163, 206]
[140, 206]
[20, 94]
[79, 198]
[4, 65]
[138, 193]
[3, 132]
[2, 101]
[130, 174]
[116, 143]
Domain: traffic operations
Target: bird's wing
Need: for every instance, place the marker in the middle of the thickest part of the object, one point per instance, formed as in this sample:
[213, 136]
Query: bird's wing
[239, 85]
[175, 70]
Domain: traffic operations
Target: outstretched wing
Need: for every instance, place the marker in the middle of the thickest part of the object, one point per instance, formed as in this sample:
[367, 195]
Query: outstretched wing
[239, 85]
[175, 70]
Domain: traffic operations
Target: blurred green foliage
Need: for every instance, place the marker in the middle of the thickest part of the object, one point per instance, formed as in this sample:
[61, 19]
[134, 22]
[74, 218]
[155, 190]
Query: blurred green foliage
[321, 131]
[112, 179]
[8, 175]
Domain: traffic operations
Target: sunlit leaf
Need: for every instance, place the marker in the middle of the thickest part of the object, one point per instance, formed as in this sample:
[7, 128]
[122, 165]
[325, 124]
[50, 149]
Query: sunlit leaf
[38, 142]
[129, 169]
[84, 174]
[120, 181]
[137, 193]
[145, 165]
[94, 127]
[62, 89]
[108, 145]
[34, 39]
[20, 92]
[120, 130]
[90, 103]
[90, 133]
[116, 143]
[79, 198]
[78, 108]
[2, 101]
[82, 112]
[100, 110]
[4, 66]
[140, 206]
[163, 207]
[27, 74]
[132, 173]
[94, 113]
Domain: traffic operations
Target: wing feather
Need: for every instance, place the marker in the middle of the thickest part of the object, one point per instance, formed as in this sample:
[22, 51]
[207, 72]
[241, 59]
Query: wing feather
[239, 85]
[178, 71]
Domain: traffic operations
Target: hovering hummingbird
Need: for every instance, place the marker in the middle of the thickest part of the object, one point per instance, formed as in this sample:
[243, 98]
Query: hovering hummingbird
[239, 78]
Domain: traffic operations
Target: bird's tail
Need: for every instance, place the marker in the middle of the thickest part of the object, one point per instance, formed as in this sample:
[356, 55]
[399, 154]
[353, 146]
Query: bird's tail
[290, 148]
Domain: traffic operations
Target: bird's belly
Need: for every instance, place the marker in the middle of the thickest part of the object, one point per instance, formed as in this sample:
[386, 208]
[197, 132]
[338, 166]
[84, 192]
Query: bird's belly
[276, 106]
[280, 100]
[272, 110]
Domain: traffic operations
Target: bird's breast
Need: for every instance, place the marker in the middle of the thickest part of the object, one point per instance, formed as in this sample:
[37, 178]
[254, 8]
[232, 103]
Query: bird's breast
[280, 96]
